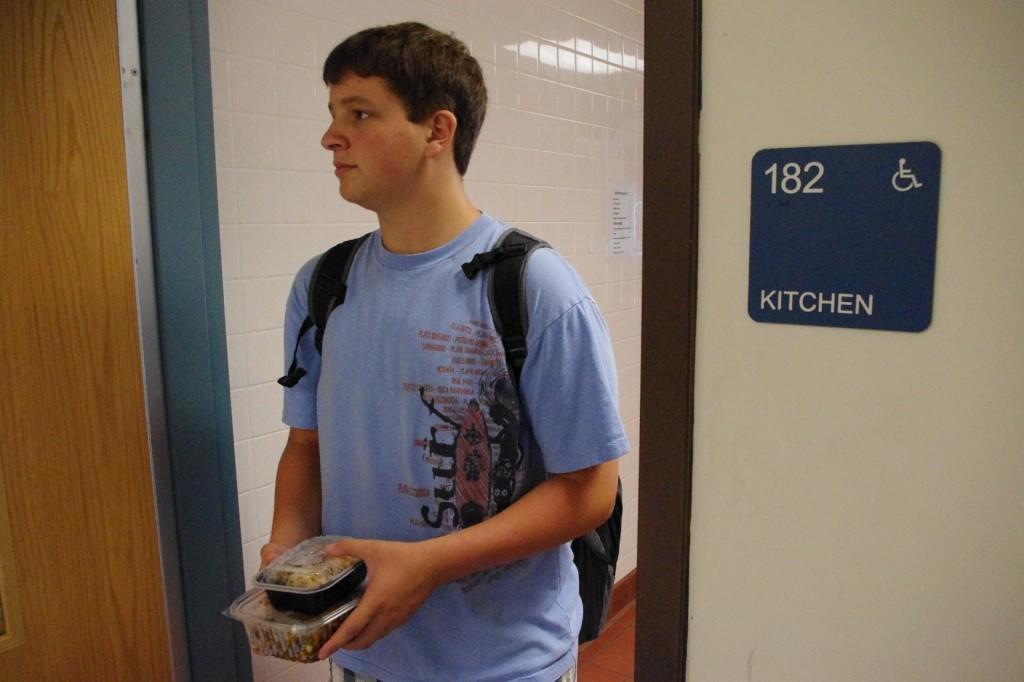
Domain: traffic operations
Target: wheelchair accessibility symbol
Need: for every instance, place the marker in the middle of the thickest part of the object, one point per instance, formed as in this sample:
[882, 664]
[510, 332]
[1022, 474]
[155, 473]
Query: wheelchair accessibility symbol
[904, 180]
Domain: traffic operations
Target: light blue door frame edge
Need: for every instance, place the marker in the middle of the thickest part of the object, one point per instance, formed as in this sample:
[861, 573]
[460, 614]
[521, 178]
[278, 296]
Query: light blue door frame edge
[193, 375]
[145, 287]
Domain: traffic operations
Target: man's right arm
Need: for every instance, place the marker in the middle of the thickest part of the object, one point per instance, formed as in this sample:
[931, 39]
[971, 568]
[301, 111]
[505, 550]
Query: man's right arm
[296, 494]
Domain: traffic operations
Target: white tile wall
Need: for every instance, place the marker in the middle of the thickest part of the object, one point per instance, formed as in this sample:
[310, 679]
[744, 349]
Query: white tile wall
[564, 127]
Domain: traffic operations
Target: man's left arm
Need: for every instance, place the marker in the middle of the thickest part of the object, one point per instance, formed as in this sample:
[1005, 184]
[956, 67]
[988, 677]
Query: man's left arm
[403, 574]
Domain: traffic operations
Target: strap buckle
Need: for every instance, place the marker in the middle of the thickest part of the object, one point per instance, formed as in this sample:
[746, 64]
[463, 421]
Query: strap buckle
[515, 350]
[482, 260]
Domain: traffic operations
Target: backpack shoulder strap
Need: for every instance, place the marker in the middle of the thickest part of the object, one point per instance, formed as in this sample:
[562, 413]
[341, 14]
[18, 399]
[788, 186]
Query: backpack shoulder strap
[327, 290]
[328, 286]
[506, 291]
[595, 554]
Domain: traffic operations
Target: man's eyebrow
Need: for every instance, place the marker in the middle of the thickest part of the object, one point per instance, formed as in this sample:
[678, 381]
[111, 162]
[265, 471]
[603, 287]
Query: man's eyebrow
[353, 99]
[350, 100]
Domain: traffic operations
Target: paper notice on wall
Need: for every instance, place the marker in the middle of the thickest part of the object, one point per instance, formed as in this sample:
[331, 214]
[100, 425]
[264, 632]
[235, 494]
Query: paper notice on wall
[623, 223]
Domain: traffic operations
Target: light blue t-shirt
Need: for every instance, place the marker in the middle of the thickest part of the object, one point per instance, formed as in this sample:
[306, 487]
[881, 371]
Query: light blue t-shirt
[421, 433]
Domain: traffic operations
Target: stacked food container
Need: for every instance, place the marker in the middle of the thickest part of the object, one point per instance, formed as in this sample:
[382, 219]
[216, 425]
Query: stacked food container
[299, 600]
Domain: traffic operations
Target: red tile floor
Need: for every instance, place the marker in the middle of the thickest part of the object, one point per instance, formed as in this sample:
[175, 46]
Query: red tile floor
[610, 657]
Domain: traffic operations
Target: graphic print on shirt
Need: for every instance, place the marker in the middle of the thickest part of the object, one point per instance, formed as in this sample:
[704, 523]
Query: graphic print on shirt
[473, 449]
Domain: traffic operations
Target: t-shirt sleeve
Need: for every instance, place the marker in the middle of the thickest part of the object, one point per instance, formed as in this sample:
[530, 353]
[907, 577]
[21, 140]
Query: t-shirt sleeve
[299, 409]
[569, 382]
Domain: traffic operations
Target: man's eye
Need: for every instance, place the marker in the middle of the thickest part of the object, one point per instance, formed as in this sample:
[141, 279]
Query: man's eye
[360, 114]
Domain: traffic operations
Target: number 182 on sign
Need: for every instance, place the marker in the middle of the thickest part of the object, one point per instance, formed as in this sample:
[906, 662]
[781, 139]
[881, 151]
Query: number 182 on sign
[797, 180]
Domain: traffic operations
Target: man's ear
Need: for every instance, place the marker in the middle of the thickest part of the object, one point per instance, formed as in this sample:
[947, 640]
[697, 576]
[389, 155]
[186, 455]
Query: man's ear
[441, 132]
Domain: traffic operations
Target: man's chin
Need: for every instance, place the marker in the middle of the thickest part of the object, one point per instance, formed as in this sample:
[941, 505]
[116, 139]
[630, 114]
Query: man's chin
[355, 198]
[348, 196]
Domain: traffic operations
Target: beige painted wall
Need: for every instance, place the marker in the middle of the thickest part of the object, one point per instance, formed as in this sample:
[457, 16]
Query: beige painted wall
[859, 495]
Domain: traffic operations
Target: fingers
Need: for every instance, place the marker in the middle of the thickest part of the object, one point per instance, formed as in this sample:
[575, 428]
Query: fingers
[354, 633]
[271, 551]
[394, 591]
[375, 630]
[347, 547]
[342, 635]
[369, 622]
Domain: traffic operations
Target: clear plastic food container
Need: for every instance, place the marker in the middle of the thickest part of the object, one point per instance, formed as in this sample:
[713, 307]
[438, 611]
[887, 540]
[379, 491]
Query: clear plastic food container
[304, 579]
[286, 634]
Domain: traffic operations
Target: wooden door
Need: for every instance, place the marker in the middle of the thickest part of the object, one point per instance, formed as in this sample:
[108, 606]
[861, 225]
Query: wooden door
[82, 589]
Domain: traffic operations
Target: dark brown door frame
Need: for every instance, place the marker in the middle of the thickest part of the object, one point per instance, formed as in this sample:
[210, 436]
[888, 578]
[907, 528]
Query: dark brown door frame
[671, 118]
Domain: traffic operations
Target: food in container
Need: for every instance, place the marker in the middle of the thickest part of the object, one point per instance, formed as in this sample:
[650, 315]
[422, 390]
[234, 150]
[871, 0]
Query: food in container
[305, 579]
[286, 634]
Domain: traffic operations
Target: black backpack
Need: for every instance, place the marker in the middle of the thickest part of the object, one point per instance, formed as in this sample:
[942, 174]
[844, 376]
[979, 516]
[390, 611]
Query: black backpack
[595, 553]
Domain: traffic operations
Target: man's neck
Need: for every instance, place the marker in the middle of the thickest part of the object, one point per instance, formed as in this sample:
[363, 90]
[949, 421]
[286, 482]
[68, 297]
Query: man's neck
[431, 220]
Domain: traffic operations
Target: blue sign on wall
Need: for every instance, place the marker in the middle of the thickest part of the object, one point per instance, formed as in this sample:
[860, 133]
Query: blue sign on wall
[844, 236]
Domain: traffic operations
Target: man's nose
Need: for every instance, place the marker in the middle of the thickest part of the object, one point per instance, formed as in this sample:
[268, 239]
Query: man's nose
[333, 138]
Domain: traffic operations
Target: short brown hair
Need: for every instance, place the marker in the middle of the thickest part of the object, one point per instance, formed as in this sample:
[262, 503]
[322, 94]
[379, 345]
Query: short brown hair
[427, 69]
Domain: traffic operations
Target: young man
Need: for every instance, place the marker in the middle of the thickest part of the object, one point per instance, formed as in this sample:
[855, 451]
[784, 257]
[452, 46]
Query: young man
[408, 437]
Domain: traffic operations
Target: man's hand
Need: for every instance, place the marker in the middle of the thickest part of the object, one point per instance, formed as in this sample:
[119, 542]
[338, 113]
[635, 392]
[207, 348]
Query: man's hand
[399, 579]
[271, 551]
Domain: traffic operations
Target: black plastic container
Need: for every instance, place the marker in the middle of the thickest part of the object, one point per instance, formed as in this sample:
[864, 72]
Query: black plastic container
[304, 579]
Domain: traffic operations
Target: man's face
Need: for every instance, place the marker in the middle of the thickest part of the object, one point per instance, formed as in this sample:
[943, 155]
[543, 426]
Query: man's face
[377, 150]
